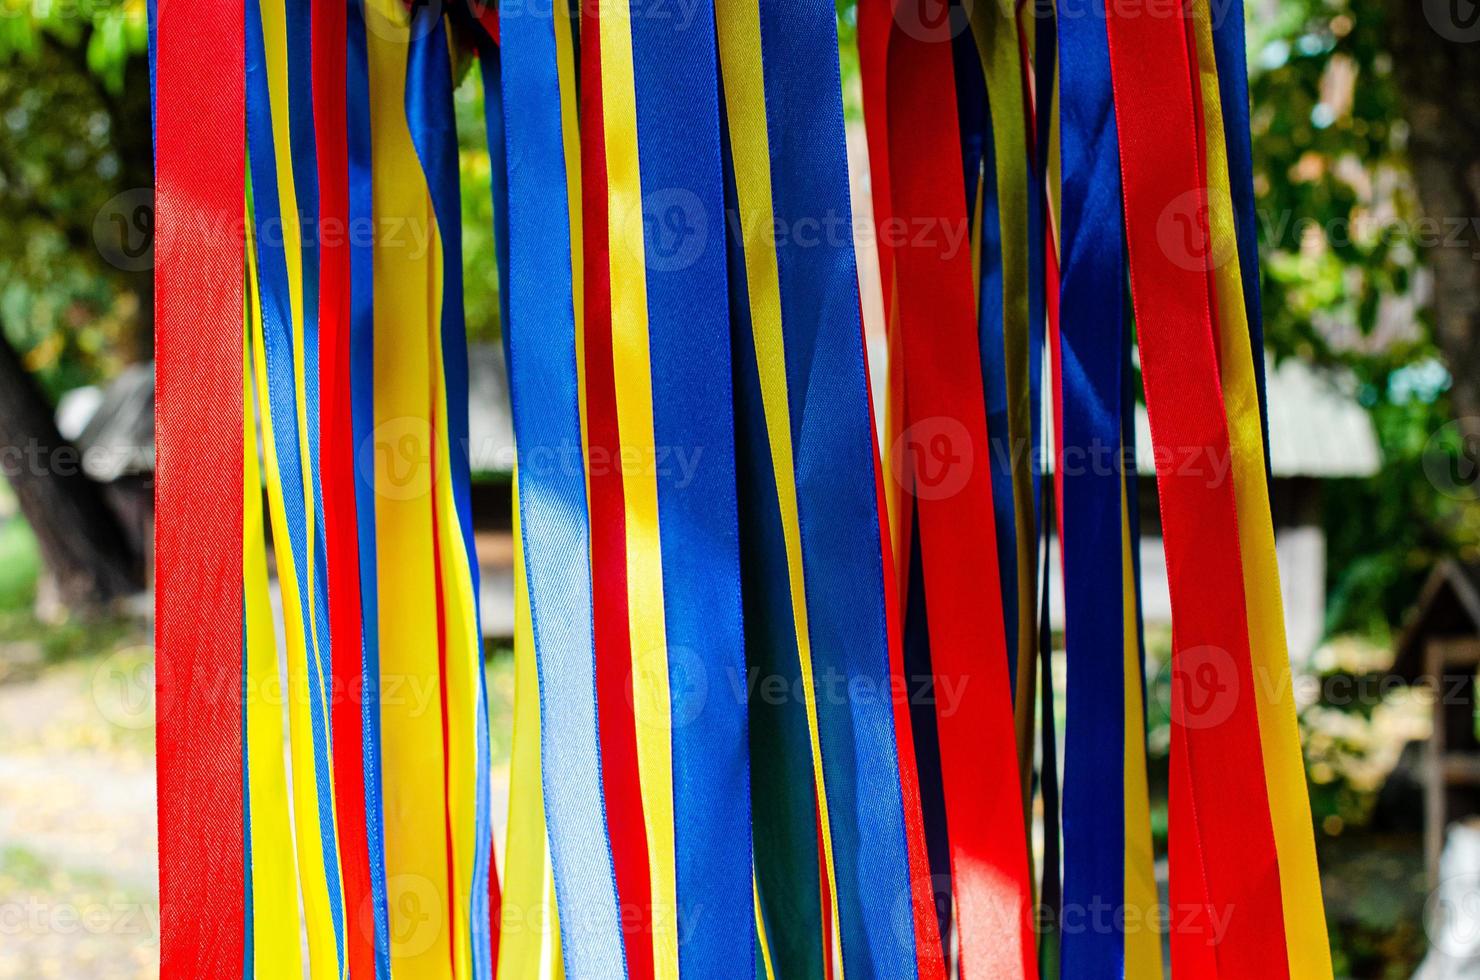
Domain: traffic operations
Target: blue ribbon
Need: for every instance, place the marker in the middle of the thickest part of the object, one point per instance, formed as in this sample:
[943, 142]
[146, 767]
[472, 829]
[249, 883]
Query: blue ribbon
[277, 334]
[832, 431]
[1233, 94]
[693, 410]
[1092, 335]
[554, 519]
[362, 421]
[433, 127]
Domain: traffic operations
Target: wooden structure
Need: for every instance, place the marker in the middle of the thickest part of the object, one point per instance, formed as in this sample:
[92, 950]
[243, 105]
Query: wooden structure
[1440, 648]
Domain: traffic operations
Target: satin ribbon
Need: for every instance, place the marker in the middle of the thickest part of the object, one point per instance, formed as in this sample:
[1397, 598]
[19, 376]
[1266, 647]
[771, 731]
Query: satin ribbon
[997, 43]
[614, 664]
[802, 306]
[989, 854]
[1091, 347]
[874, 26]
[199, 524]
[330, 74]
[1240, 362]
[372, 914]
[680, 174]
[1223, 855]
[279, 353]
[429, 113]
[554, 526]
[529, 940]
[276, 925]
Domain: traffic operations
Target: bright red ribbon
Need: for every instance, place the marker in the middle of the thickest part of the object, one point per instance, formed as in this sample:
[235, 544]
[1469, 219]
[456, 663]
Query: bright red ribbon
[1219, 797]
[945, 405]
[609, 532]
[931, 962]
[337, 479]
[199, 265]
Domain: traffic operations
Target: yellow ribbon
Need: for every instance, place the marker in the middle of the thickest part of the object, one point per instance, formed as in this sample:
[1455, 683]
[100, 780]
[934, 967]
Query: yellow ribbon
[1284, 772]
[634, 395]
[745, 104]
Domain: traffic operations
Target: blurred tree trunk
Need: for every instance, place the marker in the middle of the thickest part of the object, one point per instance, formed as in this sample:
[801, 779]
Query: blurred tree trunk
[1436, 53]
[83, 546]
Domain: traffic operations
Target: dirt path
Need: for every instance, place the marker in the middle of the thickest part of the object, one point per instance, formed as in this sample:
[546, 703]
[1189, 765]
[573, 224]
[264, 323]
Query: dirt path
[77, 857]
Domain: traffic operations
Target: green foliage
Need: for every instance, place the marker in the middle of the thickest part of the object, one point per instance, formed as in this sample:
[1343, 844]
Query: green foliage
[74, 133]
[1344, 285]
[480, 263]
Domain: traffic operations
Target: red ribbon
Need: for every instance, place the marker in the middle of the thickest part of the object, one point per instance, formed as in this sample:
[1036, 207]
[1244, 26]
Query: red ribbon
[199, 263]
[1227, 918]
[945, 416]
[337, 477]
[609, 532]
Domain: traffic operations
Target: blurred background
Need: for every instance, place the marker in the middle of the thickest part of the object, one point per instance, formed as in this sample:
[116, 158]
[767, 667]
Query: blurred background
[1366, 123]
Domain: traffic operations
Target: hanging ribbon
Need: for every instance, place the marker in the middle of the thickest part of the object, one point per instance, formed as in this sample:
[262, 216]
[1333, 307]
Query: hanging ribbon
[198, 532]
[1223, 860]
[946, 422]
[278, 351]
[1240, 364]
[553, 515]
[1091, 345]
[801, 303]
[774, 667]
[614, 663]
[679, 164]
[357, 370]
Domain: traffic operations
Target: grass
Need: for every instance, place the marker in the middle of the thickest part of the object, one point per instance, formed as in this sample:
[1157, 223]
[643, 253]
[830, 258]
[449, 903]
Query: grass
[20, 565]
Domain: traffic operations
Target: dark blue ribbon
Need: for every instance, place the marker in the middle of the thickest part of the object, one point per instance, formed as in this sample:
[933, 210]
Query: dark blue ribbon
[554, 519]
[1092, 332]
